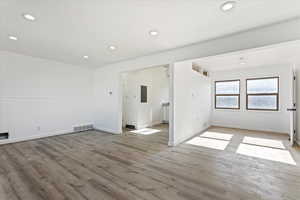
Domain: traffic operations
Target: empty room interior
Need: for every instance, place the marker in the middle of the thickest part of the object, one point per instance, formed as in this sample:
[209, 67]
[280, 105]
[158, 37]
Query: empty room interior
[147, 100]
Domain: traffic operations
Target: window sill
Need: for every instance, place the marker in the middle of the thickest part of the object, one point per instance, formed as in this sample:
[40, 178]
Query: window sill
[250, 111]
[227, 109]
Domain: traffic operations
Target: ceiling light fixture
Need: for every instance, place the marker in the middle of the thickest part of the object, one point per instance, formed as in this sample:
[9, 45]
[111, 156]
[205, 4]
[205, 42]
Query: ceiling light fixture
[112, 48]
[85, 57]
[29, 17]
[228, 5]
[153, 33]
[11, 37]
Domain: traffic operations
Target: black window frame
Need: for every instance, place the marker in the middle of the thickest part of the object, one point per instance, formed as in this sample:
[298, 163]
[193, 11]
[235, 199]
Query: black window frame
[263, 94]
[222, 95]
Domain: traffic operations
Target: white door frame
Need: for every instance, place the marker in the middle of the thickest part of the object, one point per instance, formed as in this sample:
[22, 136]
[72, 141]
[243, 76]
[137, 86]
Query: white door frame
[292, 109]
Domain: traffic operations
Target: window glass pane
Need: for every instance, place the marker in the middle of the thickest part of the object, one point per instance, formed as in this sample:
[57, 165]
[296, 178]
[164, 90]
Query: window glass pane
[262, 86]
[227, 102]
[268, 102]
[228, 87]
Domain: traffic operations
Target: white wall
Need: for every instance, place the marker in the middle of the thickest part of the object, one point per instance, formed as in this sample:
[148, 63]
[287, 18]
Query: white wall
[140, 114]
[276, 121]
[40, 97]
[160, 93]
[129, 100]
[107, 110]
[191, 102]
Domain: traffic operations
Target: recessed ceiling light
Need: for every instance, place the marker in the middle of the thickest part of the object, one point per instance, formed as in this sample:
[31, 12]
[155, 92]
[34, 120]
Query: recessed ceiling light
[228, 5]
[85, 57]
[11, 37]
[153, 33]
[112, 47]
[29, 17]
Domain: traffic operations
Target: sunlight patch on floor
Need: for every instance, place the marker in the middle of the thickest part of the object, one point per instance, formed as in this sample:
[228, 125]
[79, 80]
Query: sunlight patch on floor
[267, 153]
[146, 131]
[209, 143]
[215, 135]
[264, 142]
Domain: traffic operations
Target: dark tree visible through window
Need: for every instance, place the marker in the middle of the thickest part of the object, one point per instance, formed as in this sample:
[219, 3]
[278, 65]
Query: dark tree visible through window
[227, 94]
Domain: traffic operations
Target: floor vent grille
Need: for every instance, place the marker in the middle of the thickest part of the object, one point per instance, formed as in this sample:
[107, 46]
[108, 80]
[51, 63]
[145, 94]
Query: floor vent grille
[83, 128]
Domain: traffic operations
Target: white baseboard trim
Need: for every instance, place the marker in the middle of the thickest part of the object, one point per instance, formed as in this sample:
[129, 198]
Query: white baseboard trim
[63, 132]
[149, 125]
[184, 139]
[106, 130]
[251, 129]
[34, 137]
[156, 123]
[171, 144]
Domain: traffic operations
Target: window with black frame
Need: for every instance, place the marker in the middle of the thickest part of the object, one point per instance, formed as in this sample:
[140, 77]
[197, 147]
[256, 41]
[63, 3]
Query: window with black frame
[263, 94]
[227, 94]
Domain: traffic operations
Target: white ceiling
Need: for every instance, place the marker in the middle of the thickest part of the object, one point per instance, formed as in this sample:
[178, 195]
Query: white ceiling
[279, 54]
[66, 30]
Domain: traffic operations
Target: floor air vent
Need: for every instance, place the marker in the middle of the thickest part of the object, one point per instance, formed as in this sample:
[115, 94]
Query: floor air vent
[83, 128]
[4, 136]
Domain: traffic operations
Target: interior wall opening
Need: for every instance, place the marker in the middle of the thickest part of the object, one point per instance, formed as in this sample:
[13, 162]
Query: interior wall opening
[146, 101]
[253, 103]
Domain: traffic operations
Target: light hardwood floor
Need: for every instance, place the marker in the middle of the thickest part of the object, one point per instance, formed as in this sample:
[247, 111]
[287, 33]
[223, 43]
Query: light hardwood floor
[94, 165]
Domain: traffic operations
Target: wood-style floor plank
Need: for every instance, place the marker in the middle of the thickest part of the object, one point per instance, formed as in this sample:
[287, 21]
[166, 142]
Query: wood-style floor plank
[94, 165]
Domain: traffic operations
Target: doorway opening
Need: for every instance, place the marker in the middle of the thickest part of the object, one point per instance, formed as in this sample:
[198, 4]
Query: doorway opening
[145, 102]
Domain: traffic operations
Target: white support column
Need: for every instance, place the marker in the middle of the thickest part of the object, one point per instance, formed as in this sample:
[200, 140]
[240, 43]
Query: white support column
[171, 107]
